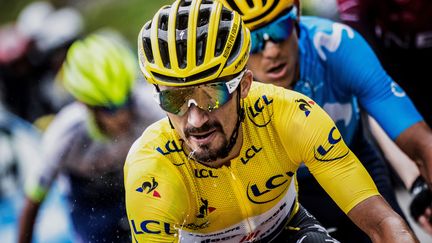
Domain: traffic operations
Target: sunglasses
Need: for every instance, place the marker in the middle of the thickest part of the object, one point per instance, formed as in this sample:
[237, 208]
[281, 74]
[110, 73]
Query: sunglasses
[112, 109]
[276, 31]
[208, 97]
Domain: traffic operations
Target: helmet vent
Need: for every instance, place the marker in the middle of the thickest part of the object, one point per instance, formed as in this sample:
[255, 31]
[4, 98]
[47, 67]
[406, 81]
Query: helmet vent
[203, 17]
[148, 25]
[147, 49]
[186, 3]
[181, 48]
[163, 47]
[146, 42]
[251, 4]
[163, 22]
[182, 21]
[234, 6]
[226, 15]
[221, 41]
[201, 47]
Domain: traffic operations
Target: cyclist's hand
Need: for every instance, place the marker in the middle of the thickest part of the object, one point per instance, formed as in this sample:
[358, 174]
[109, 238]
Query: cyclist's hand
[421, 204]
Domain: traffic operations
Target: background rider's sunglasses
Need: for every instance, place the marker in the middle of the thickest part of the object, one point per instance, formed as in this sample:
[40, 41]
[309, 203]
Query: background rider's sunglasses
[112, 109]
[207, 97]
[276, 31]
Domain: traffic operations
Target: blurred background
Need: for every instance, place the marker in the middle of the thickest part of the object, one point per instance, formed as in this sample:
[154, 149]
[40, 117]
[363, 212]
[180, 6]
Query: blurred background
[126, 16]
[34, 37]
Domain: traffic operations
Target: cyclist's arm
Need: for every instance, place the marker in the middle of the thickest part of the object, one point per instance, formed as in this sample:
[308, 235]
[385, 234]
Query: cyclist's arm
[406, 169]
[400, 162]
[340, 173]
[383, 99]
[55, 142]
[375, 217]
[36, 188]
[156, 198]
[27, 220]
[416, 142]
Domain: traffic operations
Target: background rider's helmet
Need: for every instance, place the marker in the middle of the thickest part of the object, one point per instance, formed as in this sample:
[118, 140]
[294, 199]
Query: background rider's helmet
[48, 27]
[192, 42]
[257, 13]
[100, 70]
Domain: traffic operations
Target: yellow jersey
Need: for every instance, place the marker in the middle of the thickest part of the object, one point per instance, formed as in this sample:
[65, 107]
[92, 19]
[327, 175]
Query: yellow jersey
[172, 198]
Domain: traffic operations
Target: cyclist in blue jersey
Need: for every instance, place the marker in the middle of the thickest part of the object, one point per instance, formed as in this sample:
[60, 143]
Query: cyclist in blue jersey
[88, 140]
[333, 64]
[399, 32]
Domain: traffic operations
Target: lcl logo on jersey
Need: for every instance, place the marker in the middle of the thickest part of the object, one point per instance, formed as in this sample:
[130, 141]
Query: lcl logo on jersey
[150, 186]
[334, 137]
[204, 173]
[305, 105]
[258, 107]
[170, 147]
[250, 153]
[152, 227]
[270, 190]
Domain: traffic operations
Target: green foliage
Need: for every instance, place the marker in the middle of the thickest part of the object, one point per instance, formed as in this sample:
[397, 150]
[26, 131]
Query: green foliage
[10, 9]
[126, 16]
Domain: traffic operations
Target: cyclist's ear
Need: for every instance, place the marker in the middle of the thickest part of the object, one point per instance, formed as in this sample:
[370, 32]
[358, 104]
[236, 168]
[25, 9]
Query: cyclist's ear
[246, 83]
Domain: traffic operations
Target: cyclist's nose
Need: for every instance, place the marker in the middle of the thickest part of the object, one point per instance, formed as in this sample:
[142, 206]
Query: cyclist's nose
[271, 49]
[196, 116]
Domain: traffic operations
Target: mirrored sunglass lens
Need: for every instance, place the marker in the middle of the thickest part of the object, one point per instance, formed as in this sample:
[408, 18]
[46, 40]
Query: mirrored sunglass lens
[173, 100]
[215, 96]
[277, 31]
[281, 31]
[257, 41]
[208, 97]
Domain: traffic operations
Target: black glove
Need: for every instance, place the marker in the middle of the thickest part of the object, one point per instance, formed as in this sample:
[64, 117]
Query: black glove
[421, 198]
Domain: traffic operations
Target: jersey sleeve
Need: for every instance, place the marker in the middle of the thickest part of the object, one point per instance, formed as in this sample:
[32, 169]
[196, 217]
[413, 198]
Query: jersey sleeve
[312, 138]
[156, 197]
[356, 70]
[55, 143]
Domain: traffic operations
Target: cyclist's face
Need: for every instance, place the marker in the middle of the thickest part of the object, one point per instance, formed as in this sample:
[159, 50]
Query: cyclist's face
[276, 63]
[113, 123]
[206, 134]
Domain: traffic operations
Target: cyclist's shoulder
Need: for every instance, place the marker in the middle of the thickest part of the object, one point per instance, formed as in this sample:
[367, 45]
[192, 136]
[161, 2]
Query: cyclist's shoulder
[258, 90]
[157, 150]
[318, 29]
[314, 24]
[267, 102]
[70, 119]
[154, 136]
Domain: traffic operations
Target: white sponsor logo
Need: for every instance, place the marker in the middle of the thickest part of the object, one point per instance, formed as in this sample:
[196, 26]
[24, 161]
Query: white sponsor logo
[339, 112]
[397, 90]
[331, 41]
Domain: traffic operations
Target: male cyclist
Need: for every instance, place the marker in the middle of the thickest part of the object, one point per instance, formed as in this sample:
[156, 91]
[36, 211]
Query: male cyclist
[222, 166]
[332, 64]
[89, 139]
